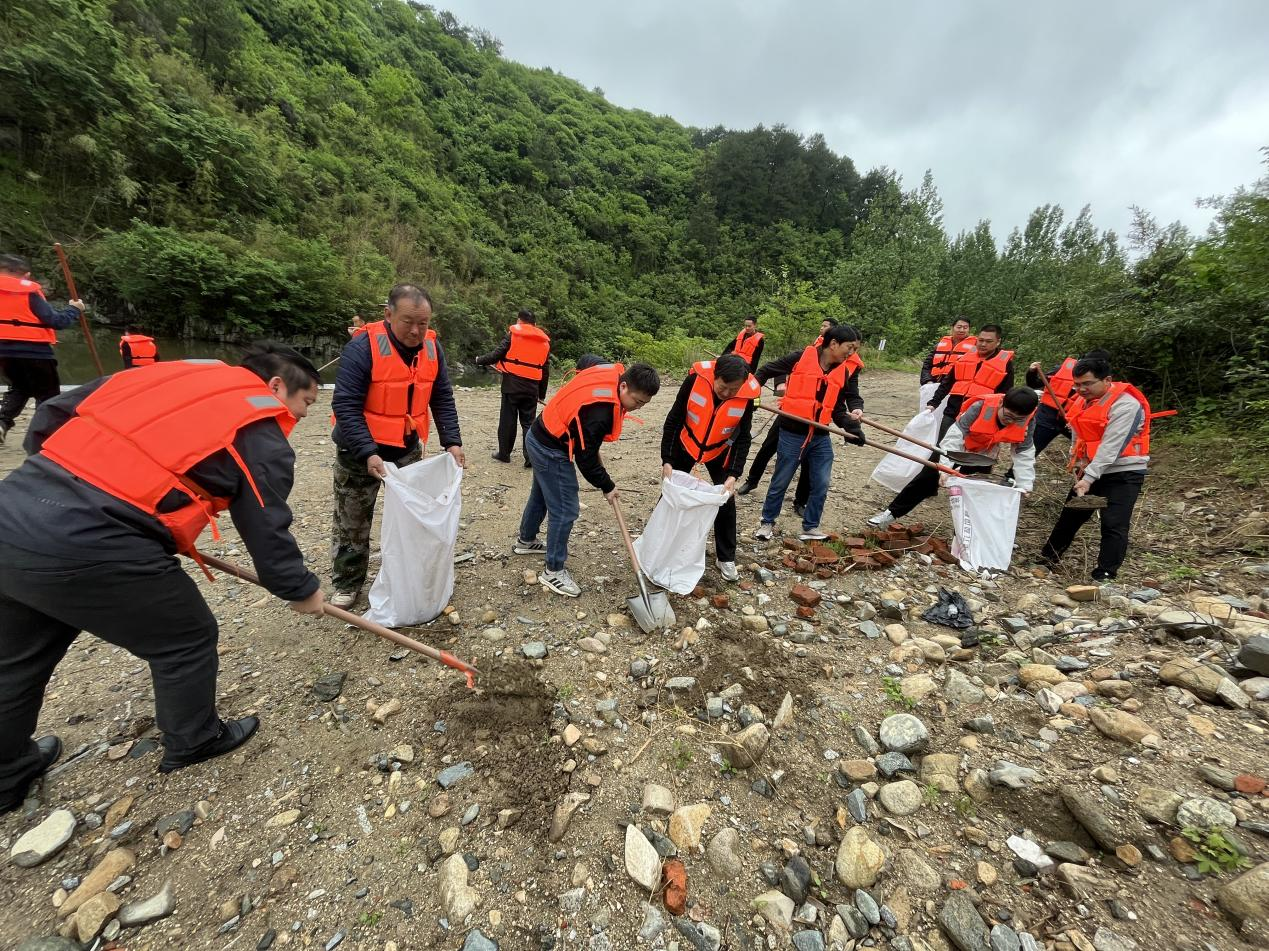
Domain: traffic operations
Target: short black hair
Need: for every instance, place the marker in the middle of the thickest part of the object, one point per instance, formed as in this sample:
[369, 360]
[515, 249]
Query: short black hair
[1022, 399]
[831, 321]
[642, 379]
[400, 292]
[993, 329]
[14, 264]
[1097, 354]
[1097, 366]
[268, 358]
[527, 316]
[731, 367]
[961, 320]
[588, 360]
[753, 317]
[841, 333]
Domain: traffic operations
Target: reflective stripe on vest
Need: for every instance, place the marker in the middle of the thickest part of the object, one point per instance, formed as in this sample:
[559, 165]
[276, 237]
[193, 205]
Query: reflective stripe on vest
[946, 353]
[397, 400]
[597, 384]
[978, 377]
[137, 436]
[985, 432]
[529, 351]
[1088, 423]
[1063, 384]
[142, 349]
[712, 430]
[746, 346]
[17, 322]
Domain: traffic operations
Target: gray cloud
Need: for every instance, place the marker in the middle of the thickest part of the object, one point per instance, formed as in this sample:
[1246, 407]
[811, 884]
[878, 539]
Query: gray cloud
[1011, 106]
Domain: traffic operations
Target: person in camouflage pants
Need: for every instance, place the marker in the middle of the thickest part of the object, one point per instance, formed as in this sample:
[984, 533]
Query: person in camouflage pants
[354, 510]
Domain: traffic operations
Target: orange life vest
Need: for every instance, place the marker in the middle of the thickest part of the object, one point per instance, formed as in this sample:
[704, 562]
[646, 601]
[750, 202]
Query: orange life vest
[946, 353]
[975, 376]
[711, 425]
[17, 322]
[811, 393]
[745, 346]
[597, 384]
[397, 401]
[142, 349]
[985, 432]
[1088, 422]
[137, 436]
[1061, 383]
[529, 351]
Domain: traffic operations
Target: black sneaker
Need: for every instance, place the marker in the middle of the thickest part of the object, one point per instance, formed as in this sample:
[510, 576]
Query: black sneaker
[535, 547]
[4, 431]
[746, 487]
[799, 509]
[233, 733]
[50, 748]
[497, 458]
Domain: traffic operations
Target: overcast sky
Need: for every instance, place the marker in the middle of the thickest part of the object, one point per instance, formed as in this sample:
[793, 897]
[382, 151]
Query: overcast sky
[1105, 103]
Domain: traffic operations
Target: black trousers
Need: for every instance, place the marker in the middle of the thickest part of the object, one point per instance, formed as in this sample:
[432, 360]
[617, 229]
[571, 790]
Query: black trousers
[1048, 426]
[516, 408]
[766, 452]
[1120, 490]
[27, 379]
[151, 608]
[725, 520]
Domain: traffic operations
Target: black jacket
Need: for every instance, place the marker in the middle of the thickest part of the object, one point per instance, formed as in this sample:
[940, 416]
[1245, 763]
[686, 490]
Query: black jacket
[352, 383]
[514, 385]
[953, 407]
[672, 451]
[595, 423]
[46, 509]
[848, 398]
[757, 353]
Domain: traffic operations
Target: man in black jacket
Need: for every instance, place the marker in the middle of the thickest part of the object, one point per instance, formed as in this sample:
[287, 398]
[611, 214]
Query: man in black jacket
[74, 557]
[523, 361]
[372, 390]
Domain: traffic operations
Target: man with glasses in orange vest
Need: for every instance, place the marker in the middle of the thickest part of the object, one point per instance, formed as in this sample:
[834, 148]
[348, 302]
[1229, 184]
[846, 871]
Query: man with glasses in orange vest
[947, 351]
[523, 359]
[709, 425]
[28, 331]
[1110, 456]
[585, 413]
[823, 386]
[748, 343]
[137, 350]
[124, 473]
[392, 383]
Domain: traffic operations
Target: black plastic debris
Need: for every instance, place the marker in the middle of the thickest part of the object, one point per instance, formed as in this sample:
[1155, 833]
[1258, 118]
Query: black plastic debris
[951, 611]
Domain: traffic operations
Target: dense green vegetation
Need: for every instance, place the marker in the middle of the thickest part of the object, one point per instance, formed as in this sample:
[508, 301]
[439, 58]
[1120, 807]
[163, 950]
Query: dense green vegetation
[273, 167]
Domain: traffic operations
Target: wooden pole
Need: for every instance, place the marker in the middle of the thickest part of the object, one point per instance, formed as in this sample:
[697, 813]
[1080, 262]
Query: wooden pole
[74, 294]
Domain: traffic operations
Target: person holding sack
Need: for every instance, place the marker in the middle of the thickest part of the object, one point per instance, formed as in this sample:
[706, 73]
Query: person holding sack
[709, 425]
[523, 359]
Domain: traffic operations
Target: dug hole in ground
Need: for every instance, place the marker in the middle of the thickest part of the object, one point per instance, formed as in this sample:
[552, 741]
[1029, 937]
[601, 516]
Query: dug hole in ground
[1038, 782]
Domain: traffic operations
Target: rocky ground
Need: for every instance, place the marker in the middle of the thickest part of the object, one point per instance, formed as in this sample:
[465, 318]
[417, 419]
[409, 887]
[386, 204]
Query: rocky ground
[813, 765]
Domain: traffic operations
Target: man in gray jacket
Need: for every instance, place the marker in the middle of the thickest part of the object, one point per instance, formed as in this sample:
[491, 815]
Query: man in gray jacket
[1111, 454]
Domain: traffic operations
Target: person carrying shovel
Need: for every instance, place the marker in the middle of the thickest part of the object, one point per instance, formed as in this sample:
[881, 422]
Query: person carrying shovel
[122, 474]
[823, 386]
[585, 413]
[709, 425]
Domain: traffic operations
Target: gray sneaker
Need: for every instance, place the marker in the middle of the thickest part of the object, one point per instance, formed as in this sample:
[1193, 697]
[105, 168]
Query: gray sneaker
[4, 431]
[765, 531]
[728, 571]
[561, 582]
[812, 535]
[535, 547]
[882, 519]
[344, 599]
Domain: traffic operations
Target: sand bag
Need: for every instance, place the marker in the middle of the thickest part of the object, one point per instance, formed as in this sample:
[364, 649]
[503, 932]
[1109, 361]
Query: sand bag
[984, 520]
[927, 393]
[671, 549]
[894, 472]
[421, 505]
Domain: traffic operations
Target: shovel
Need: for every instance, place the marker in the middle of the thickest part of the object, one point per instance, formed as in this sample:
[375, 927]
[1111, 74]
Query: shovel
[442, 657]
[838, 431]
[962, 457]
[652, 612]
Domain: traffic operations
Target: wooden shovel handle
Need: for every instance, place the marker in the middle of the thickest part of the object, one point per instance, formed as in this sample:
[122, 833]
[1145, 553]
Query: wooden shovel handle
[837, 430]
[897, 434]
[74, 295]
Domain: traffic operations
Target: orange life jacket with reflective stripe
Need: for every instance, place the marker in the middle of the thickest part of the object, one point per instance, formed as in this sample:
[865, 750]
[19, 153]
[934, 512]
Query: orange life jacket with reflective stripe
[17, 322]
[1088, 422]
[530, 349]
[946, 353]
[745, 346]
[397, 401]
[142, 349]
[137, 436]
[975, 376]
[597, 384]
[711, 425]
[985, 431]
[1063, 384]
[811, 393]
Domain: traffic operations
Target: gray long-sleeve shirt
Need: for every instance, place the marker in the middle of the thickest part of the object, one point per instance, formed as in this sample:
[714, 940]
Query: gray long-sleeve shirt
[1125, 419]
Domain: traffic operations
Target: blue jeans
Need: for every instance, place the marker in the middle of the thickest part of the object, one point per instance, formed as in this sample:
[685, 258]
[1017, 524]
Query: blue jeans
[554, 493]
[818, 457]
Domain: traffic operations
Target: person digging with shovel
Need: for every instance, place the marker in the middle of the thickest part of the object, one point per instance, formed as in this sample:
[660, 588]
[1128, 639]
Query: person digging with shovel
[584, 413]
[122, 474]
[1110, 456]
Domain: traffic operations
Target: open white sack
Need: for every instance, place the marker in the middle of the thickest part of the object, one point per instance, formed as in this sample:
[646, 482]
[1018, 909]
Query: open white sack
[421, 505]
[927, 393]
[671, 549]
[984, 521]
[894, 472]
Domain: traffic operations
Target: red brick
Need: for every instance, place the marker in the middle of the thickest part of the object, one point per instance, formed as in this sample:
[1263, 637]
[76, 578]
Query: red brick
[698, 591]
[823, 573]
[1249, 785]
[805, 612]
[805, 596]
[853, 542]
[719, 601]
[746, 585]
[916, 528]
[884, 558]
[791, 543]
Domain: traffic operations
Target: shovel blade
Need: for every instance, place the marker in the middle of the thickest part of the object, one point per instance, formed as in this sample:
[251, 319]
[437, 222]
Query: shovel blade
[652, 615]
[1086, 502]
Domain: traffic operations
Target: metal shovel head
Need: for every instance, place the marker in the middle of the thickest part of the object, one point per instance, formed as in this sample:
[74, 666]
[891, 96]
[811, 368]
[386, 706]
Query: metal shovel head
[1086, 502]
[653, 615]
[970, 458]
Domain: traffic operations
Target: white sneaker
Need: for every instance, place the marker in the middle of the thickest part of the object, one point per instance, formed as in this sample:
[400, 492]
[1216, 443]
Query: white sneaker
[813, 535]
[344, 599]
[882, 519]
[535, 547]
[728, 570]
[561, 582]
[4, 431]
[765, 531]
